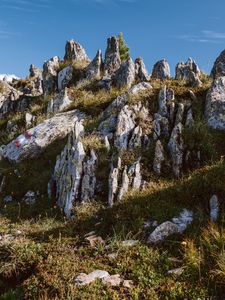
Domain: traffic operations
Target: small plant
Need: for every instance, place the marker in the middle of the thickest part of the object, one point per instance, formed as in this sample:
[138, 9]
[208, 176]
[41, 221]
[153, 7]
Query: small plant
[124, 50]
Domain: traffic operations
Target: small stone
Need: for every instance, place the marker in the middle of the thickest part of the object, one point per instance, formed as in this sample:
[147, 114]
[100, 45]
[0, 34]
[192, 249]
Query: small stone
[130, 243]
[177, 271]
[30, 197]
[8, 199]
[113, 280]
[95, 240]
[128, 284]
[84, 279]
[29, 118]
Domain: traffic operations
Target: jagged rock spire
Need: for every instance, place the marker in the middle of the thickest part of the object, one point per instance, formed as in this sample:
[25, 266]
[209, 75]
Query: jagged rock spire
[75, 52]
[112, 57]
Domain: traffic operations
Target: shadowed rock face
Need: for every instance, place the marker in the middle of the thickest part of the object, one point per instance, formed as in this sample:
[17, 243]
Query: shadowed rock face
[219, 66]
[75, 52]
[140, 70]
[161, 70]
[93, 70]
[125, 75]
[38, 138]
[215, 104]
[112, 57]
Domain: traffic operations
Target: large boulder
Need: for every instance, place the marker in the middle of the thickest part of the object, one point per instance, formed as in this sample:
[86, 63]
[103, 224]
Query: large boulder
[112, 57]
[215, 104]
[75, 52]
[37, 139]
[189, 72]
[50, 76]
[161, 70]
[218, 69]
[125, 75]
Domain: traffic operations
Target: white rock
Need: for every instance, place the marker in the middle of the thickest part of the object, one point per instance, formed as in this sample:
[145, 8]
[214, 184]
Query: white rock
[162, 232]
[84, 279]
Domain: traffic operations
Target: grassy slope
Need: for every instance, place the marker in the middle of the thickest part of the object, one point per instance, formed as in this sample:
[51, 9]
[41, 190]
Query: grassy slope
[48, 252]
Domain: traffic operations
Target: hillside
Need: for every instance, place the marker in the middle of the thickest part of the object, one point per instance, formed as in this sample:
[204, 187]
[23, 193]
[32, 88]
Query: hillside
[112, 179]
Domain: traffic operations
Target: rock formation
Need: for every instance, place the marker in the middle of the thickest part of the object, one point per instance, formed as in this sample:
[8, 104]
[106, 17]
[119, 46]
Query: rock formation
[215, 104]
[140, 70]
[218, 69]
[189, 72]
[75, 52]
[112, 57]
[93, 70]
[161, 70]
[50, 69]
[125, 75]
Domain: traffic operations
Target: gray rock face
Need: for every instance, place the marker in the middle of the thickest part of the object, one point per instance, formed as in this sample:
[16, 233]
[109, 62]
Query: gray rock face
[124, 185]
[112, 57]
[165, 96]
[35, 72]
[50, 68]
[176, 147]
[69, 169]
[75, 172]
[162, 232]
[131, 180]
[75, 52]
[64, 77]
[160, 127]
[110, 115]
[10, 99]
[161, 70]
[141, 70]
[125, 75]
[36, 139]
[215, 104]
[158, 158]
[89, 178]
[214, 208]
[93, 70]
[128, 133]
[59, 103]
[189, 72]
[113, 182]
[218, 69]
[189, 119]
[180, 113]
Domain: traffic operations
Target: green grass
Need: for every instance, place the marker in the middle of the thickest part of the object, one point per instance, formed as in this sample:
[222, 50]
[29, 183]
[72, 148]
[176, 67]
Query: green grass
[48, 252]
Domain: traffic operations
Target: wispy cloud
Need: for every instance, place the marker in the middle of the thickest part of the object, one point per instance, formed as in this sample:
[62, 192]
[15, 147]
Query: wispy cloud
[205, 36]
[105, 2]
[25, 5]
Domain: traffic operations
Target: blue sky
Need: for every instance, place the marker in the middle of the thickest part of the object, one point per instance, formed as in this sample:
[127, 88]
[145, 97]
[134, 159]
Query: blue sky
[33, 31]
